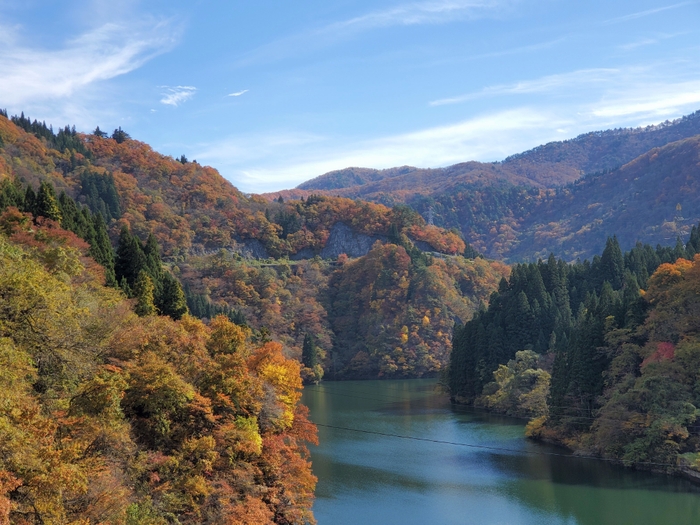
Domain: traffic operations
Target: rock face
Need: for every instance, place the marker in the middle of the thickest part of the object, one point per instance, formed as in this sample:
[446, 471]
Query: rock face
[343, 239]
[252, 249]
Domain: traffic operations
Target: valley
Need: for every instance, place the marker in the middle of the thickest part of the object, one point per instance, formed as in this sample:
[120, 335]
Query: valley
[557, 285]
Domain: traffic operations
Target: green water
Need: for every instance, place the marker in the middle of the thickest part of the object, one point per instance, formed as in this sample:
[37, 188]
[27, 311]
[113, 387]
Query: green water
[380, 479]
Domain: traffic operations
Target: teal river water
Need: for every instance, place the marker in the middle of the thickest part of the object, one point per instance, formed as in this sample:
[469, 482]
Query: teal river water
[378, 479]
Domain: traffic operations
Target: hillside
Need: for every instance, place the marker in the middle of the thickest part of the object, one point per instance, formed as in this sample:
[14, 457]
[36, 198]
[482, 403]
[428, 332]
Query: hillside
[552, 164]
[514, 211]
[111, 417]
[267, 265]
[653, 199]
[601, 355]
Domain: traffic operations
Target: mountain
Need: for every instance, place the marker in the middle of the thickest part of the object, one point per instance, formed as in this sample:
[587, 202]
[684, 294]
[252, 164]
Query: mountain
[640, 184]
[267, 265]
[552, 164]
[652, 199]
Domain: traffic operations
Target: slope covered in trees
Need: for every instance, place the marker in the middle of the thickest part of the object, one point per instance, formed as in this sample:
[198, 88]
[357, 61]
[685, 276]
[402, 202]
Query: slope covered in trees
[154, 206]
[511, 211]
[110, 417]
[600, 354]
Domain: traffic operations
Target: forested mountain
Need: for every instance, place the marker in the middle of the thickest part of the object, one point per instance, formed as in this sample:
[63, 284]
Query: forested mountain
[169, 417]
[540, 201]
[111, 417]
[602, 355]
[265, 265]
[552, 164]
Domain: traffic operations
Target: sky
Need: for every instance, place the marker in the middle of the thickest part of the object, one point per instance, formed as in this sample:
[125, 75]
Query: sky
[273, 93]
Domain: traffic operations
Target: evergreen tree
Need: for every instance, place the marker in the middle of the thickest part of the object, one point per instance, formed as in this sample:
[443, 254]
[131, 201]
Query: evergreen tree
[46, 204]
[29, 200]
[143, 291]
[394, 236]
[101, 250]
[130, 258]
[172, 300]
[120, 135]
[309, 352]
[612, 264]
[692, 247]
[153, 264]
[11, 194]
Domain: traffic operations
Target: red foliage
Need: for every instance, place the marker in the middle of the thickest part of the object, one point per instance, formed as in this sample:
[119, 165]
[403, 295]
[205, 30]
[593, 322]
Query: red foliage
[663, 352]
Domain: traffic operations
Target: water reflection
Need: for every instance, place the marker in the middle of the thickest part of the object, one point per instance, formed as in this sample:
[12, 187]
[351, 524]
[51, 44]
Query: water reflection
[369, 478]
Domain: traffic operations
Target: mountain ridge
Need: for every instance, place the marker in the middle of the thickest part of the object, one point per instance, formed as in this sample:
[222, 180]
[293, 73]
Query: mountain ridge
[521, 167]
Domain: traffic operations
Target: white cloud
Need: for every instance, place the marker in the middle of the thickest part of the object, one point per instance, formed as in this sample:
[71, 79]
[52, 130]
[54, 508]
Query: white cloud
[648, 12]
[541, 85]
[573, 103]
[420, 13]
[237, 93]
[35, 75]
[176, 95]
[653, 100]
[489, 137]
[407, 14]
[648, 41]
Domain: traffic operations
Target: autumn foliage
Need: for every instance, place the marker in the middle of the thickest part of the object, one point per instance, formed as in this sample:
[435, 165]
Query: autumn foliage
[107, 417]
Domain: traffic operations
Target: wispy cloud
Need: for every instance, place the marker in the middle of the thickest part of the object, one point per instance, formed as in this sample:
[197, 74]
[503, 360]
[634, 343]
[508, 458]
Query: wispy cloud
[648, 12]
[436, 12]
[649, 41]
[176, 95]
[650, 101]
[489, 137]
[237, 93]
[31, 75]
[545, 84]
[407, 14]
[574, 102]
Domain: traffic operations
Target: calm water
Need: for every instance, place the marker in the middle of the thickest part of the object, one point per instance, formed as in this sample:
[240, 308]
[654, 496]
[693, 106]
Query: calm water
[375, 479]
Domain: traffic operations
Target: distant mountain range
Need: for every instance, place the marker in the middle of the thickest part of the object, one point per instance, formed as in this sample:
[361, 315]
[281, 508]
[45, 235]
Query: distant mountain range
[563, 197]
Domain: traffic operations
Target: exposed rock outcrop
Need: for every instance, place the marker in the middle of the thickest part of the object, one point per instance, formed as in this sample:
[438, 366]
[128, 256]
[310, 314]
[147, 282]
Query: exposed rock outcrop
[343, 239]
[252, 249]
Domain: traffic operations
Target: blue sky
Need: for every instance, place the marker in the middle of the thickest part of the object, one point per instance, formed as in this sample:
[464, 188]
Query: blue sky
[272, 93]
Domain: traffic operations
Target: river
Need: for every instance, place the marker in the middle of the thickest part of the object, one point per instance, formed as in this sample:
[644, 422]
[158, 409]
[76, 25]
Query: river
[367, 475]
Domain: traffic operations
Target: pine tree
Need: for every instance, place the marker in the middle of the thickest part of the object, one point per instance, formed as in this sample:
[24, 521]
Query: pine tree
[120, 135]
[143, 291]
[612, 264]
[11, 194]
[130, 258]
[154, 266]
[172, 300]
[46, 204]
[29, 200]
[394, 236]
[102, 250]
[309, 352]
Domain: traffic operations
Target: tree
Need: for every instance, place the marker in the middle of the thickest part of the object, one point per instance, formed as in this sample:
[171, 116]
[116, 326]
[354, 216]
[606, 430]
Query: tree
[120, 135]
[612, 264]
[143, 291]
[130, 258]
[311, 359]
[172, 300]
[46, 204]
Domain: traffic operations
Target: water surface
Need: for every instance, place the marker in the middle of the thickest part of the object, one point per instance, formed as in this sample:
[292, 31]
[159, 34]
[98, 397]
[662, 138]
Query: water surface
[367, 478]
